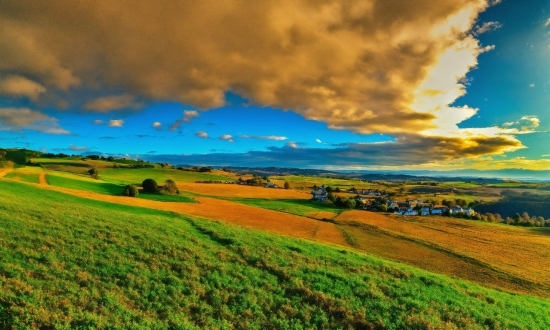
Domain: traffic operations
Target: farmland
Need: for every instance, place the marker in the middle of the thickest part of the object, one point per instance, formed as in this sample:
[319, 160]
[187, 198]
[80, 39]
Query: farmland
[496, 256]
[97, 264]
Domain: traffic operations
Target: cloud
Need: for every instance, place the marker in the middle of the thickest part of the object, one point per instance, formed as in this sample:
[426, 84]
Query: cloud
[526, 124]
[226, 137]
[16, 119]
[21, 86]
[202, 134]
[112, 103]
[487, 27]
[547, 23]
[406, 150]
[98, 122]
[318, 141]
[188, 115]
[292, 145]
[115, 123]
[531, 85]
[157, 125]
[347, 64]
[264, 137]
[78, 148]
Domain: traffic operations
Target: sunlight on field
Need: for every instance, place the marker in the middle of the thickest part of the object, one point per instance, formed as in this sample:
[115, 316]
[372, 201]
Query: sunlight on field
[122, 175]
[25, 174]
[517, 258]
[242, 191]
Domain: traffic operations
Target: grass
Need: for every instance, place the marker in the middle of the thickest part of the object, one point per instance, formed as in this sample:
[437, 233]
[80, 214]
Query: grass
[294, 206]
[68, 262]
[25, 174]
[121, 175]
[309, 181]
[70, 181]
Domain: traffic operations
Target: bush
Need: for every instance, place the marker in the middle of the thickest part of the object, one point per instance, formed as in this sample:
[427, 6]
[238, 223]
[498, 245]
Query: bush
[382, 208]
[350, 203]
[331, 197]
[131, 191]
[93, 173]
[287, 185]
[150, 186]
[170, 187]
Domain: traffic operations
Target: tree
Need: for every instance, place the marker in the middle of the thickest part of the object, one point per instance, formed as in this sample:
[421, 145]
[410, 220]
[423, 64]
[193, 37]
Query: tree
[331, 197]
[382, 208]
[329, 189]
[93, 173]
[516, 218]
[150, 186]
[287, 185]
[170, 187]
[131, 191]
[350, 203]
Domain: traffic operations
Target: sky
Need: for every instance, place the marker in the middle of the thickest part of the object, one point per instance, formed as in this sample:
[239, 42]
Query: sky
[371, 85]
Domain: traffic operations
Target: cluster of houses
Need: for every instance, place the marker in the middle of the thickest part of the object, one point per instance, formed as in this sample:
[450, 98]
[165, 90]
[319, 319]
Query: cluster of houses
[409, 207]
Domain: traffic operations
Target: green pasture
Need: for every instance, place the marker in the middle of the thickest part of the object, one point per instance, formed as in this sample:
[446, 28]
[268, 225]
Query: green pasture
[73, 263]
[299, 207]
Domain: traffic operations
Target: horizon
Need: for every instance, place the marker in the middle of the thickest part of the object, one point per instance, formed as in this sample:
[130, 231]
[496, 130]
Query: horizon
[368, 86]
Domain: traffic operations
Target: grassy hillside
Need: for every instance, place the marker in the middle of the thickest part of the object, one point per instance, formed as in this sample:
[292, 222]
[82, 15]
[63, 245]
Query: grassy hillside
[67, 262]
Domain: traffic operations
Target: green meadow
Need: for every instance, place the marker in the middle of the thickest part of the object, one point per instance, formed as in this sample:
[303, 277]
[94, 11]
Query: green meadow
[299, 207]
[71, 181]
[70, 263]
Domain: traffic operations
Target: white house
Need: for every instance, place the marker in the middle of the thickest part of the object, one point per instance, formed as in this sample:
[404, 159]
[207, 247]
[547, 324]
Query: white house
[456, 210]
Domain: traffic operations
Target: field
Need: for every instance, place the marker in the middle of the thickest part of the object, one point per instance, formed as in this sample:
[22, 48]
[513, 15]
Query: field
[241, 191]
[26, 174]
[69, 262]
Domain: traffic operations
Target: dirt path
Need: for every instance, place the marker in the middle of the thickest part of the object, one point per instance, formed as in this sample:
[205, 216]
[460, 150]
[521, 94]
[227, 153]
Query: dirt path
[5, 171]
[42, 179]
[230, 212]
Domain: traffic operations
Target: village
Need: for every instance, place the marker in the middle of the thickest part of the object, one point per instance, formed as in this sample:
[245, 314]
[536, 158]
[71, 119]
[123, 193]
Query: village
[369, 200]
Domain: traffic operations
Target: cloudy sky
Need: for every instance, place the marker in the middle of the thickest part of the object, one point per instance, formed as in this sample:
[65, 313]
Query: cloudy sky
[380, 84]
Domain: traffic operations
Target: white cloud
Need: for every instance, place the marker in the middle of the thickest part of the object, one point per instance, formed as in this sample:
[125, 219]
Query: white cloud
[78, 148]
[116, 123]
[531, 85]
[487, 27]
[226, 137]
[547, 23]
[98, 122]
[188, 115]
[526, 124]
[157, 125]
[318, 141]
[292, 145]
[264, 137]
[21, 86]
[202, 134]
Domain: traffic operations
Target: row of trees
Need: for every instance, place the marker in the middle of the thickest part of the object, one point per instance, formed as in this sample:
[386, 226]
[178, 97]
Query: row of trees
[151, 186]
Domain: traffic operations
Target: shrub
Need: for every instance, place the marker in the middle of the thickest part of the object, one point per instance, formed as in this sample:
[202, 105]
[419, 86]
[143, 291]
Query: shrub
[93, 173]
[150, 185]
[350, 203]
[131, 191]
[287, 185]
[170, 187]
[331, 197]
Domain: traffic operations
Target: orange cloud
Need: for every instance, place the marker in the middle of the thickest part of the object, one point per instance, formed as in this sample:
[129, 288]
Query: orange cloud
[365, 66]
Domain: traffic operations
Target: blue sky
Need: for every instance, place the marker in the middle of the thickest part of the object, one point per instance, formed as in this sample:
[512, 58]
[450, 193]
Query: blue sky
[367, 85]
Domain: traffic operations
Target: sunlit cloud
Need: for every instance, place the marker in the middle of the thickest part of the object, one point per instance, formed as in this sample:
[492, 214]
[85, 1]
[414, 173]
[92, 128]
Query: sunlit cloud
[157, 125]
[318, 141]
[112, 103]
[17, 86]
[526, 124]
[202, 134]
[487, 27]
[17, 119]
[349, 65]
[547, 23]
[98, 122]
[226, 137]
[188, 115]
[115, 123]
[292, 145]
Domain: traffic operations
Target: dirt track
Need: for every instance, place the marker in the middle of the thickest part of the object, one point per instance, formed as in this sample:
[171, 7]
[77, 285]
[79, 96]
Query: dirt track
[5, 171]
[42, 178]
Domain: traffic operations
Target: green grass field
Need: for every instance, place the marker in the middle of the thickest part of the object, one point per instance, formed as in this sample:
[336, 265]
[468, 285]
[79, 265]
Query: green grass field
[300, 207]
[25, 174]
[70, 181]
[136, 176]
[309, 181]
[67, 262]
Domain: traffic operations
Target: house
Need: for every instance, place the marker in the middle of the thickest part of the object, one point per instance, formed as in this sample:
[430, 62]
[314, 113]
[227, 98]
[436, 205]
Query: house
[319, 194]
[425, 210]
[271, 185]
[410, 212]
[439, 210]
[456, 210]
[469, 211]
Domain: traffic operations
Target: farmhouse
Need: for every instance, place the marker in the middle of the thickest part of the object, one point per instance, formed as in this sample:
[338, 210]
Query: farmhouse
[320, 194]
[439, 210]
